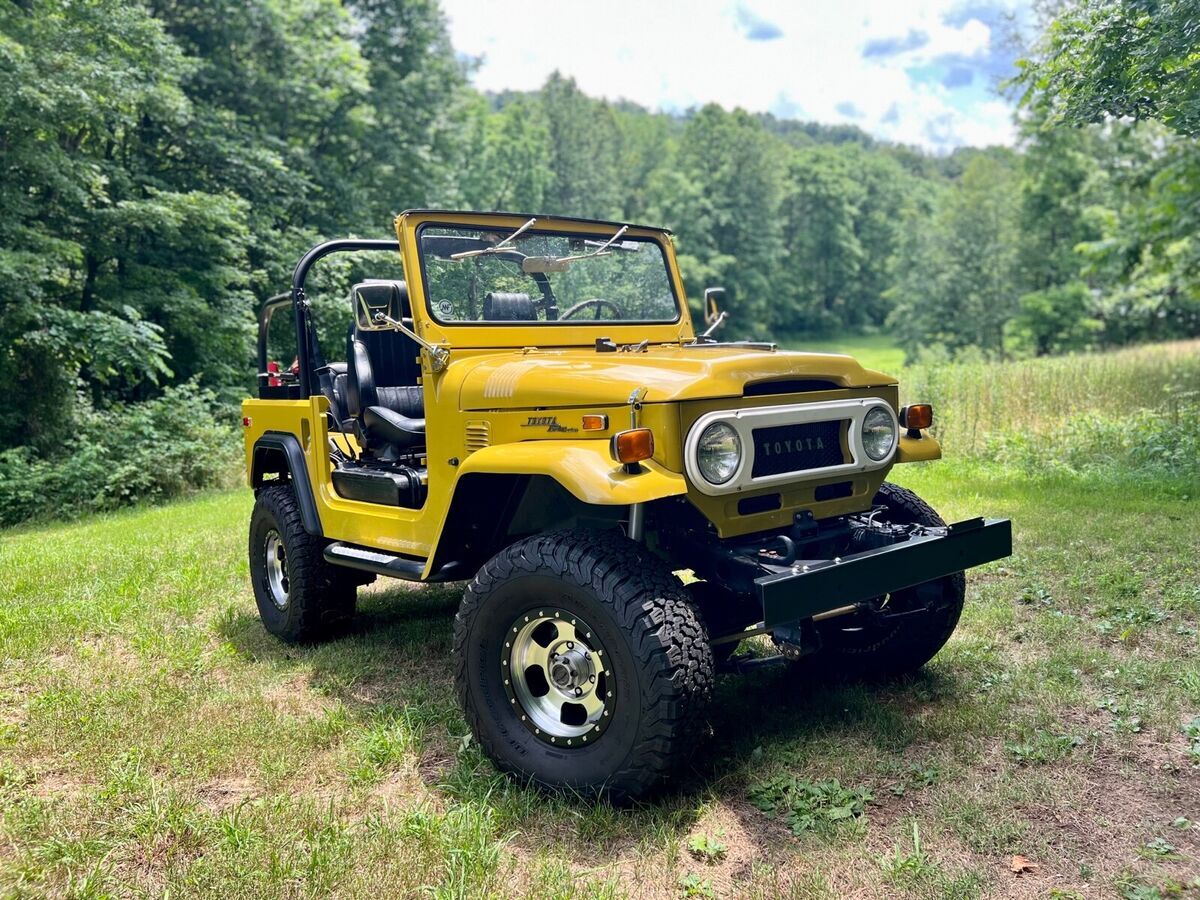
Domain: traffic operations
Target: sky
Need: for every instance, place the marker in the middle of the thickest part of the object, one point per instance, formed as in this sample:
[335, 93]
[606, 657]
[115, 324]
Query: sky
[920, 72]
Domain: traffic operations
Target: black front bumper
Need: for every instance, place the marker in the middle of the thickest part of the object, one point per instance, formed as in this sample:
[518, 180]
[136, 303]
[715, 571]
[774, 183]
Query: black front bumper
[804, 591]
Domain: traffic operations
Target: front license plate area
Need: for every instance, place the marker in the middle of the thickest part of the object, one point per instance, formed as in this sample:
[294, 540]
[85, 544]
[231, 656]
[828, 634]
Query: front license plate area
[795, 448]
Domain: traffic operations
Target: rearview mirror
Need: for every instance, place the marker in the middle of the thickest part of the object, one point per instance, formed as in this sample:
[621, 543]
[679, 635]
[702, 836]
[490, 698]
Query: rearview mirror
[372, 298]
[532, 265]
[712, 311]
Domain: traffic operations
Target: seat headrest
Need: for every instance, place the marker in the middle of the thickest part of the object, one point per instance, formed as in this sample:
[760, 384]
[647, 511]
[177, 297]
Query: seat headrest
[500, 306]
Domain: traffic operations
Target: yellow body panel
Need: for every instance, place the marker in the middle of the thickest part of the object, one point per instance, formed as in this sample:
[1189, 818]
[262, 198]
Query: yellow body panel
[922, 449]
[584, 468]
[512, 398]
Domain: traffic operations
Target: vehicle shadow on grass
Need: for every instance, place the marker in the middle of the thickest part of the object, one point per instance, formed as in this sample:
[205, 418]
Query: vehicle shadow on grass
[395, 659]
[397, 648]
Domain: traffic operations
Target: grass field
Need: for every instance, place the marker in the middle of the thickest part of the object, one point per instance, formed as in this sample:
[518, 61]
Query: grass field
[153, 738]
[875, 351]
[975, 401]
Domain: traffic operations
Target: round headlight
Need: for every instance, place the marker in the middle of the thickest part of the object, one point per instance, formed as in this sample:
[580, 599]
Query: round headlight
[879, 432]
[718, 453]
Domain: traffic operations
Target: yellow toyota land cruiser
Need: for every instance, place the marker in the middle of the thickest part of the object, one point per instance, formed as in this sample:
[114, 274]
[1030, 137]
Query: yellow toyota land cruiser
[531, 410]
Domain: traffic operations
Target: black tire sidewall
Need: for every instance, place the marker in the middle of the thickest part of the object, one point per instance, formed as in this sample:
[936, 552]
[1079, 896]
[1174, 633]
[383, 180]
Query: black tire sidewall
[321, 597]
[516, 747]
[911, 642]
[266, 518]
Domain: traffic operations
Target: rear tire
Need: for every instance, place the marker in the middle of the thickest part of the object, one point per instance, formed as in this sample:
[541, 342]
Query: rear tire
[907, 644]
[301, 598]
[586, 623]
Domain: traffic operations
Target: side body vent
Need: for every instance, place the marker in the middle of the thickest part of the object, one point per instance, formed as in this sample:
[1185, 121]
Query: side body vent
[478, 435]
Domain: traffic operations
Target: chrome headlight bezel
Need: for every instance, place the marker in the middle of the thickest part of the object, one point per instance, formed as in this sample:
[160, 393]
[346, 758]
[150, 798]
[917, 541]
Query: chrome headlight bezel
[718, 431]
[879, 433]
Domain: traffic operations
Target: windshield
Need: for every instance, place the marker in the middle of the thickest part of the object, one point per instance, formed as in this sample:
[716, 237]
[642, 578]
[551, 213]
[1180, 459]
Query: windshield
[498, 275]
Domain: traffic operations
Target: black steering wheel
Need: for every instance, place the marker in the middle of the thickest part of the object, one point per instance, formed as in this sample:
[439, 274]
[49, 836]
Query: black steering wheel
[599, 303]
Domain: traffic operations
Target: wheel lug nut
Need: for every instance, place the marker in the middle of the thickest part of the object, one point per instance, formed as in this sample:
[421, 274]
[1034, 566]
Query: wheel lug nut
[570, 645]
[578, 692]
[592, 679]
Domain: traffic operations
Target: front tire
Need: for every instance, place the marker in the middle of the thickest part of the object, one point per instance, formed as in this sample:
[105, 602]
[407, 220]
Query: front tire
[301, 598]
[854, 646]
[581, 664]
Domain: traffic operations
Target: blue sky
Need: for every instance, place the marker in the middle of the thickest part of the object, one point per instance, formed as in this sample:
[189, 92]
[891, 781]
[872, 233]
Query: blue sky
[918, 72]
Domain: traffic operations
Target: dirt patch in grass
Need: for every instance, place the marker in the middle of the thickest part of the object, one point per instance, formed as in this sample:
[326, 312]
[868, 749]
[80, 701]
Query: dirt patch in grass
[745, 833]
[222, 794]
[59, 785]
[296, 696]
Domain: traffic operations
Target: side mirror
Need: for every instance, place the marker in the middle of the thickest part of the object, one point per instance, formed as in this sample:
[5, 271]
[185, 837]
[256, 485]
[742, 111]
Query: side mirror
[371, 298]
[712, 311]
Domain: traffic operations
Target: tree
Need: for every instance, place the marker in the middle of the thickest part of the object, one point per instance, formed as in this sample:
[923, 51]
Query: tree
[584, 149]
[725, 192]
[1136, 60]
[104, 261]
[956, 274]
[1113, 59]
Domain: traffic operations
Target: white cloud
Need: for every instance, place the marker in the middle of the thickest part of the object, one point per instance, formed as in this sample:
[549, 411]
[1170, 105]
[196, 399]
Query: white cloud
[759, 56]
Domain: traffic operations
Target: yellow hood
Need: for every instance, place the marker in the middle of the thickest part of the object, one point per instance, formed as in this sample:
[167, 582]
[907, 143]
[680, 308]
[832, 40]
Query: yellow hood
[575, 377]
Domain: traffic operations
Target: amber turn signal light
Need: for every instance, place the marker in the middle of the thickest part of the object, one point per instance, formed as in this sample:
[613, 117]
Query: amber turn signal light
[595, 422]
[632, 446]
[916, 416]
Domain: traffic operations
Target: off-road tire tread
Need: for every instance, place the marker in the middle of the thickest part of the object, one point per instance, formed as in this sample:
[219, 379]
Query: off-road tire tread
[669, 642]
[323, 595]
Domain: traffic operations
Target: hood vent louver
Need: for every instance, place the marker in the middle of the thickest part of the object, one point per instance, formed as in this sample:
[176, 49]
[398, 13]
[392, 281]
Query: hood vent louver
[478, 435]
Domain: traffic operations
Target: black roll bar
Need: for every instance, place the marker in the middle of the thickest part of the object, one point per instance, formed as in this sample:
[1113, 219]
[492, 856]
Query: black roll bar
[304, 338]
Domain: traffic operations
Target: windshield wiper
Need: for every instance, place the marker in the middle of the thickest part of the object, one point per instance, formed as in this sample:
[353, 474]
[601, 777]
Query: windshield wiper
[560, 263]
[496, 248]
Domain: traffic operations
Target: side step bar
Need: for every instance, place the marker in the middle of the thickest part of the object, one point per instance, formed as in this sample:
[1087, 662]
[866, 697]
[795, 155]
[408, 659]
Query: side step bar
[381, 562]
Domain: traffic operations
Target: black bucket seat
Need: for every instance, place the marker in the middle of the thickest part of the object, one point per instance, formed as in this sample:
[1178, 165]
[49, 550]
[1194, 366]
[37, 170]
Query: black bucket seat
[382, 394]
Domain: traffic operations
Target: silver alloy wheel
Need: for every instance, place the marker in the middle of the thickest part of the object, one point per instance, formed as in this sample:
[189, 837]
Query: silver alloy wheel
[556, 672]
[277, 570]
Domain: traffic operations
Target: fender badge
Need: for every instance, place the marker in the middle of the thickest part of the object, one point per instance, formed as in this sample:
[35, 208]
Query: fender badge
[550, 423]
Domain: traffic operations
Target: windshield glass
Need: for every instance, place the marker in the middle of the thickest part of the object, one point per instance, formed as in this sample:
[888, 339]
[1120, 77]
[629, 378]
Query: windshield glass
[489, 275]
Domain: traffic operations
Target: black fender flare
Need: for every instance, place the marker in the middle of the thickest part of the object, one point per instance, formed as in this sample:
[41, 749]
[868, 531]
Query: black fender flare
[280, 453]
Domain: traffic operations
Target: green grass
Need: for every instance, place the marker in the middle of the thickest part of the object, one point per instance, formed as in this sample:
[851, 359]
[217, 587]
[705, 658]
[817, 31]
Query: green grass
[153, 738]
[874, 351]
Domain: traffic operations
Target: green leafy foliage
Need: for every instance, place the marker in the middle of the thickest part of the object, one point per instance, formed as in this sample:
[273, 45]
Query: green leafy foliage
[1109, 59]
[1145, 443]
[147, 451]
[821, 807]
[1191, 731]
[692, 885]
[707, 847]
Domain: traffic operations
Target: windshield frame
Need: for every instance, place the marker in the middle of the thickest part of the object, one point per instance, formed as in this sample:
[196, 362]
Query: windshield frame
[535, 231]
[565, 333]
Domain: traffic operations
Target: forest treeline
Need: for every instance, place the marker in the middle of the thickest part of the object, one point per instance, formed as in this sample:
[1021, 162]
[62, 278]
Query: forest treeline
[164, 163]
